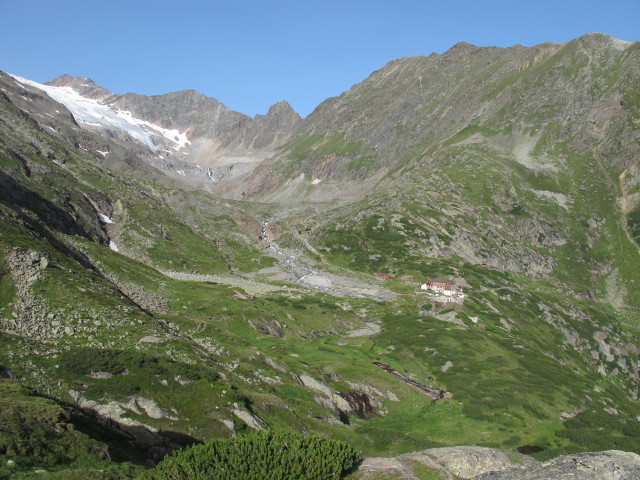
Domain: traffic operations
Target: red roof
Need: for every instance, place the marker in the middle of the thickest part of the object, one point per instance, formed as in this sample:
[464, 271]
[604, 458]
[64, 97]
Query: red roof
[442, 280]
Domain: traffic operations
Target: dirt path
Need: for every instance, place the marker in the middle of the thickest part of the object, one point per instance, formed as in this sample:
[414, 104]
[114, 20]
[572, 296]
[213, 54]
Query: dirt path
[297, 268]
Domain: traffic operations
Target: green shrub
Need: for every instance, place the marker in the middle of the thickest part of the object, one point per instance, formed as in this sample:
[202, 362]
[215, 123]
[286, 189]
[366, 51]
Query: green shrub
[595, 430]
[263, 455]
[194, 372]
[87, 360]
[187, 372]
[115, 387]
[633, 222]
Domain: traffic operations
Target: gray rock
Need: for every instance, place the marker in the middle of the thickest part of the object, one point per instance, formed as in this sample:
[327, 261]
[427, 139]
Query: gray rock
[452, 462]
[274, 364]
[252, 420]
[468, 462]
[313, 384]
[609, 465]
[151, 408]
[483, 463]
[150, 339]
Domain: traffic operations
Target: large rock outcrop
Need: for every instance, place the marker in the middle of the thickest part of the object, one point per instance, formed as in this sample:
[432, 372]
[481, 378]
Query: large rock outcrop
[483, 463]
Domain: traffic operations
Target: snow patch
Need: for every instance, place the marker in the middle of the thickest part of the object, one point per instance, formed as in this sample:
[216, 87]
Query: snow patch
[91, 112]
[180, 139]
[113, 246]
[104, 218]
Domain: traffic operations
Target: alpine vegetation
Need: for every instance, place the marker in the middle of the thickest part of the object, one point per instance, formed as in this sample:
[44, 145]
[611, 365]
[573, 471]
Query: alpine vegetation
[437, 271]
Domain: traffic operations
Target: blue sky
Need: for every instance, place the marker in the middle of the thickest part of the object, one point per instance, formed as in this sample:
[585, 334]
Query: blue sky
[251, 54]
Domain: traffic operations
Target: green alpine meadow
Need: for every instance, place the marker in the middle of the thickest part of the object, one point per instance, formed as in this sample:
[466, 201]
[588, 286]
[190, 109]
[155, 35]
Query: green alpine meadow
[434, 275]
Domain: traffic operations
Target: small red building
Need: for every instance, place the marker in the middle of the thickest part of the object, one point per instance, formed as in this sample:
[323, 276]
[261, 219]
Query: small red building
[384, 276]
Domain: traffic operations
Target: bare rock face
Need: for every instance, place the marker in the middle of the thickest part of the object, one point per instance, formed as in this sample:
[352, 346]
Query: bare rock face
[272, 328]
[252, 420]
[468, 462]
[83, 85]
[450, 462]
[361, 404]
[268, 131]
[609, 465]
[483, 463]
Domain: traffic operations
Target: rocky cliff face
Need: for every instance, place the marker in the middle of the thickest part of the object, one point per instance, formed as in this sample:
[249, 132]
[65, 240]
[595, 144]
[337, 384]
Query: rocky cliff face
[480, 463]
[215, 136]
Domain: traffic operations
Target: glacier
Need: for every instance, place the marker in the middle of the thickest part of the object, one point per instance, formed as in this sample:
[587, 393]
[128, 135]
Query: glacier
[92, 112]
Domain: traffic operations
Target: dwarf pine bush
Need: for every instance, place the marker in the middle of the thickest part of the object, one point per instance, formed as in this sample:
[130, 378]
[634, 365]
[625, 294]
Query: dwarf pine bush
[261, 455]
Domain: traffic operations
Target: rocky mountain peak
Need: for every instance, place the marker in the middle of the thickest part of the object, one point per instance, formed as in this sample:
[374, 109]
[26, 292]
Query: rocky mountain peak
[462, 46]
[62, 81]
[267, 132]
[596, 40]
[83, 85]
[281, 108]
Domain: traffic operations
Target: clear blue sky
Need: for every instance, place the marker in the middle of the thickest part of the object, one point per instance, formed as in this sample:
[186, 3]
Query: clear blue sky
[250, 54]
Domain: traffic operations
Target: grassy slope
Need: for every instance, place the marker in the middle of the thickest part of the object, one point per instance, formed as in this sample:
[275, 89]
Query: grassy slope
[511, 380]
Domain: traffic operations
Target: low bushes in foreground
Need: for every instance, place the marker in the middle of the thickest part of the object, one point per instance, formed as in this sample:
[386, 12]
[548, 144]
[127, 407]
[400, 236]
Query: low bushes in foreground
[263, 455]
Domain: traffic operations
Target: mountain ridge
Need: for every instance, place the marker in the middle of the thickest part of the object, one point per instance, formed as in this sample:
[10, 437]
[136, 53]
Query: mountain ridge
[279, 285]
[214, 131]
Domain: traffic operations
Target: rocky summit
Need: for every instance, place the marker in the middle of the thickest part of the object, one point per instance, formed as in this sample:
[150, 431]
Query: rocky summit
[173, 272]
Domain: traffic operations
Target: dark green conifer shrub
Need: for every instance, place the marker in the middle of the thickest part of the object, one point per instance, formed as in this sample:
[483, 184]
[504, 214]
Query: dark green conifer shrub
[261, 455]
[87, 360]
